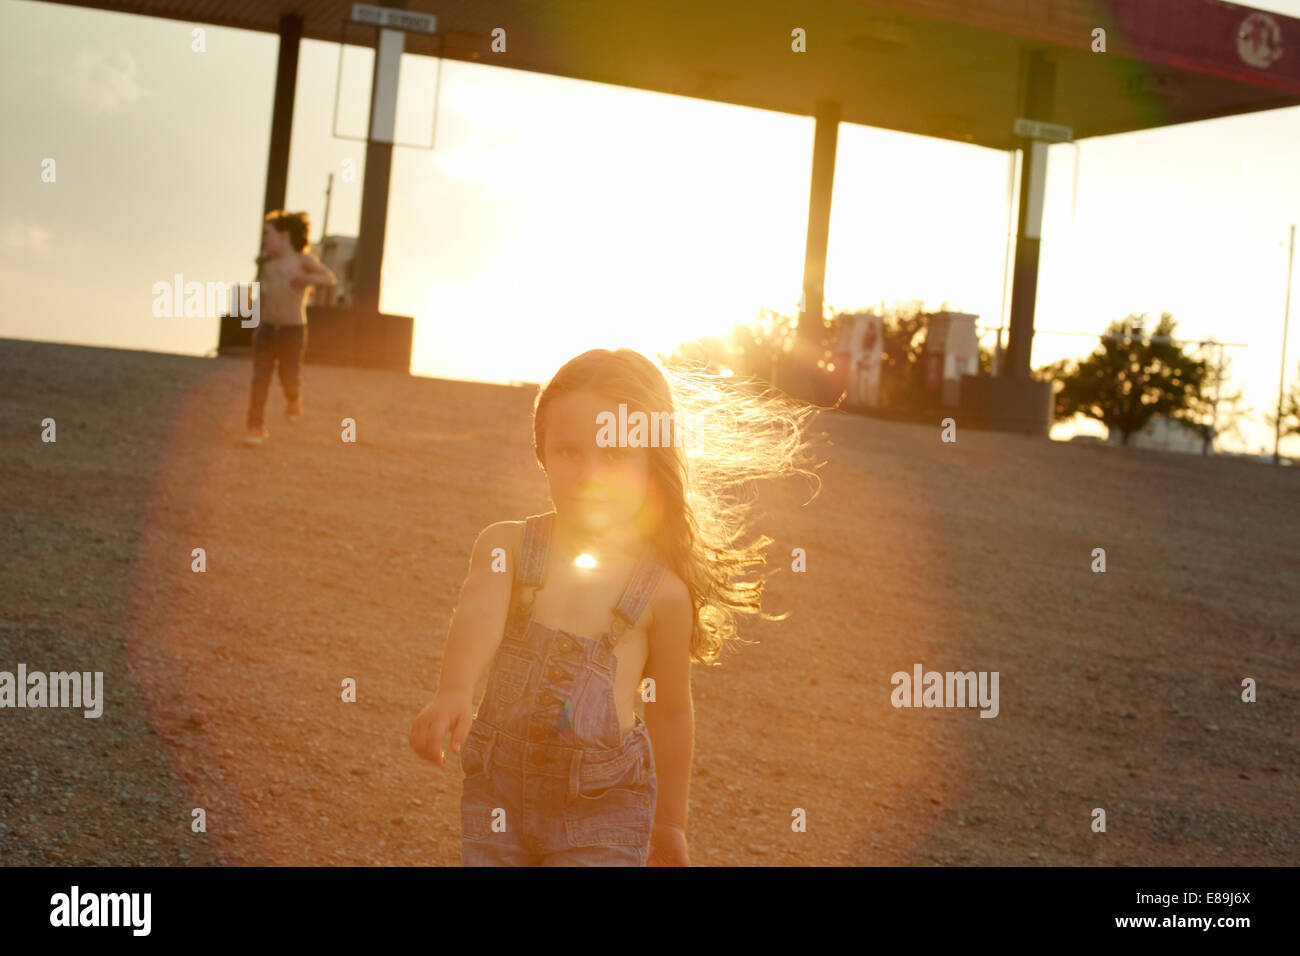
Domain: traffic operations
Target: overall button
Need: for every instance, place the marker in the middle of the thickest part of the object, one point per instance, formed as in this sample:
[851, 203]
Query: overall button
[565, 644]
[557, 673]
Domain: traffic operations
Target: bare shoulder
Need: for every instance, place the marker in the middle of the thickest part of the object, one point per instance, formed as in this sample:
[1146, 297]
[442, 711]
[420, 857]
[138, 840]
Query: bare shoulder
[671, 603]
[502, 534]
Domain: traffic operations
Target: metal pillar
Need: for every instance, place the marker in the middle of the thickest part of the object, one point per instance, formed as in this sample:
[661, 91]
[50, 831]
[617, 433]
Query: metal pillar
[1012, 400]
[1038, 80]
[808, 340]
[379, 165]
[286, 83]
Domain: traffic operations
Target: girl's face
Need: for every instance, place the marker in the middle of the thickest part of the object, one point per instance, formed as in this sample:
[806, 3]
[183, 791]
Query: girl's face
[599, 489]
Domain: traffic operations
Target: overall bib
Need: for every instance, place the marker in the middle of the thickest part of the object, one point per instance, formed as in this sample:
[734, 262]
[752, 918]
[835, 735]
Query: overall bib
[548, 781]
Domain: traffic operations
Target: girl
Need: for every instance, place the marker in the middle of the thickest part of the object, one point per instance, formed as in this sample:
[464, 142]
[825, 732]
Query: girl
[635, 574]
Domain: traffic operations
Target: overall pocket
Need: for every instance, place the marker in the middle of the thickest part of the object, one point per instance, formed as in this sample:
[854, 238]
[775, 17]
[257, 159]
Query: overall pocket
[478, 797]
[614, 808]
[510, 676]
[473, 755]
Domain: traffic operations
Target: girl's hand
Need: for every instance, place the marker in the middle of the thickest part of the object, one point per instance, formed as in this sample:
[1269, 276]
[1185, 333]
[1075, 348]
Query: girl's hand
[667, 846]
[447, 713]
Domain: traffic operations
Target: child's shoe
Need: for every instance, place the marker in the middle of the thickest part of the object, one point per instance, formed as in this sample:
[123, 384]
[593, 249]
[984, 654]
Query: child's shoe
[256, 436]
[293, 411]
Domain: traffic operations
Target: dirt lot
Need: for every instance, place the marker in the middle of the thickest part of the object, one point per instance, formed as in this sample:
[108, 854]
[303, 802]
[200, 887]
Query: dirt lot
[328, 560]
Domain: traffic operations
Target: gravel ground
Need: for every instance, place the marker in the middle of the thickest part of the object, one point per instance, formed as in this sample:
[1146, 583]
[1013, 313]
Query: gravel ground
[328, 561]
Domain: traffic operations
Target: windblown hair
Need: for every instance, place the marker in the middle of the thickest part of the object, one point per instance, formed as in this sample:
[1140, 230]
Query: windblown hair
[296, 224]
[698, 509]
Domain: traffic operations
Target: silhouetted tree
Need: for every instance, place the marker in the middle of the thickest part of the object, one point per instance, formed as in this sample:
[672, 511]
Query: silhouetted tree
[712, 354]
[902, 343]
[1201, 414]
[1131, 378]
[1290, 410]
[763, 348]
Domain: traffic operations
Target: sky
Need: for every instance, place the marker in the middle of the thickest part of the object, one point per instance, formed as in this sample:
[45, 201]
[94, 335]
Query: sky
[557, 215]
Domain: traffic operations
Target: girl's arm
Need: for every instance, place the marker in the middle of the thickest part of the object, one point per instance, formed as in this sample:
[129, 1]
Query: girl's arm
[316, 273]
[479, 620]
[670, 718]
[477, 626]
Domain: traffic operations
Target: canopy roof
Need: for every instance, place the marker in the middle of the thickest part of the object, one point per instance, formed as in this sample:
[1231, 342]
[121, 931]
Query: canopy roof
[944, 68]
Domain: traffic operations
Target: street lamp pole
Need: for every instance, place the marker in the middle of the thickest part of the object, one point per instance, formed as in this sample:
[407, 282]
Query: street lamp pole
[1281, 381]
[1006, 257]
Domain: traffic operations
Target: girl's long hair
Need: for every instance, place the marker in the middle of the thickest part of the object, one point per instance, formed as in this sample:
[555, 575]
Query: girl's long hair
[702, 490]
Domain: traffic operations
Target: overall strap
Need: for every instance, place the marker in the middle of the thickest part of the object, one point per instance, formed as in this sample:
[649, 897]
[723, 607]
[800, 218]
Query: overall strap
[636, 598]
[530, 569]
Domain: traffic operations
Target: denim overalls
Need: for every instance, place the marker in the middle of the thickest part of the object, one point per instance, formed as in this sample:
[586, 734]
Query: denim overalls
[547, 780]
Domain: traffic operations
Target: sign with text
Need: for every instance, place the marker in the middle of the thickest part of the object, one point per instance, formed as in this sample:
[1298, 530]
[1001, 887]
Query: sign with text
[1036, 129]
[394, 19]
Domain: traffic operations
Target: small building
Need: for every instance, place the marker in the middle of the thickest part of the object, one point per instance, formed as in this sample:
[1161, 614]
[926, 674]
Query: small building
[1163, 434]
[338, 254]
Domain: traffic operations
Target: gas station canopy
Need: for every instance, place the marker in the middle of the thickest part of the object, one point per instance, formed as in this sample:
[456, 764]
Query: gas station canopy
[944, 68]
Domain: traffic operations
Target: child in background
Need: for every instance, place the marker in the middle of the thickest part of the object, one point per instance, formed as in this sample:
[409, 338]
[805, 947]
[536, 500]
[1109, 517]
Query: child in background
[635, 574]
[285, 272]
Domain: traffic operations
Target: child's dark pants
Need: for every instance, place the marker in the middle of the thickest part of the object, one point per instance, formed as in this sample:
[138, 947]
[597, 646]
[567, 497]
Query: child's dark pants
[271, 343]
